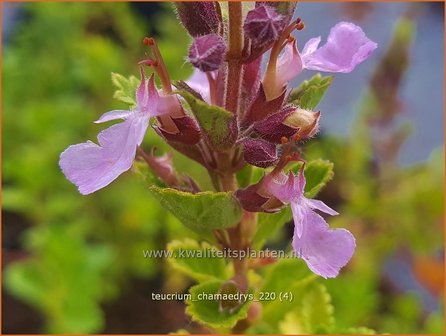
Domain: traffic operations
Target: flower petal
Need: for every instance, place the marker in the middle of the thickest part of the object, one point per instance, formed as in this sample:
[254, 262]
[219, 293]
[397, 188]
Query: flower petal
[91, 167]
[311, 46]
[199, 82]
[113, 115]
[298, 218]
[141, 92]
[321, 206]
[346, 47]
[289, 64]
[282, 187]
[325, 251]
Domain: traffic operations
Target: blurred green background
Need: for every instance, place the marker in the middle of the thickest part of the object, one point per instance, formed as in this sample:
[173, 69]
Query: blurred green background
[74, 264]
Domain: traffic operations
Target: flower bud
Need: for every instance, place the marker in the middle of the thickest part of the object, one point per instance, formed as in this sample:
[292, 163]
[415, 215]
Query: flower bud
[273, 128]
[255, 199]
[187, 133]
[199, 17]
[162, 166]
[260, 153]
[260, 108]
[207, 52]
[307, 121]
[263, 25]
[285, 8]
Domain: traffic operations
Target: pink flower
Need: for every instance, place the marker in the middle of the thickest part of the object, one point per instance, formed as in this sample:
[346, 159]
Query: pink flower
[346, 47]
[324, 250]
[199, 82]
[90, 166]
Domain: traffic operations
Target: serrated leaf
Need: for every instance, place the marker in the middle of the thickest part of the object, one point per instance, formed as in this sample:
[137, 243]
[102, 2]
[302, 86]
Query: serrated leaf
[201, 212]
[218, 125]
[192, 258]
[317, 174]
[208, 312]
[290, 276]
[317, 310]
[310, 92]
[125, 88]
[291, 324]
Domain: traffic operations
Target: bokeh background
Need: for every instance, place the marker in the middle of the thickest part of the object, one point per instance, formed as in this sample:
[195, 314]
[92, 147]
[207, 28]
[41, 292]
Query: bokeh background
[74, 264]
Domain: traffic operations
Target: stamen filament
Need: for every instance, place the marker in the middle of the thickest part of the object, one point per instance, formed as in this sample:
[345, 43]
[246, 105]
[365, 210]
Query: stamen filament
[269, 81]
[159, 65]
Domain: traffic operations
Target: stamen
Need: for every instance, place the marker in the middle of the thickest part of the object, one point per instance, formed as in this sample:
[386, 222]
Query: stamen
[269, 81]
[296, 137]
[158, 64]
[147, 41]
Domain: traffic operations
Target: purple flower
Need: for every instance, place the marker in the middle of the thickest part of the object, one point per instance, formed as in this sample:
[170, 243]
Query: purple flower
[324, 250]
[90, 166]
[346, 47]
[199, 82]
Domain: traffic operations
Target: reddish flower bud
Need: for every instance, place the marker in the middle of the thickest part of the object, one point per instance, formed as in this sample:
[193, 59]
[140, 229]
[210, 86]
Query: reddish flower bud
[263, 25]
[199, 17]
[207, 53]
[285, 8]
[260, 153]
[188, 131]
[307, 121]
[162, 166]
[254, 199]
[260, 108]
[274, 128]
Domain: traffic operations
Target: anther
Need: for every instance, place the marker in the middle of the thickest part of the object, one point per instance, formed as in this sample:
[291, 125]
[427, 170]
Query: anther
[296, 137]
[300, 26]
[284, 140]
[148, 41]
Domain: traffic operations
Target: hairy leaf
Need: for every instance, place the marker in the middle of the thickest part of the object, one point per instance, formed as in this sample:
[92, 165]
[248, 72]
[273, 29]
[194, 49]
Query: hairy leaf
[208, 312]
[125, 88]
[310, 92]
[218, 125]
[201, 212]
[195, 260]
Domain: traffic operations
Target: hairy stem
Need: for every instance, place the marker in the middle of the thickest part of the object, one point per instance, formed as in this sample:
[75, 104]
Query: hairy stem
[234, 55]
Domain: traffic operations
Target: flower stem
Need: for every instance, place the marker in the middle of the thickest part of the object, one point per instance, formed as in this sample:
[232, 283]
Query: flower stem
[234, 56]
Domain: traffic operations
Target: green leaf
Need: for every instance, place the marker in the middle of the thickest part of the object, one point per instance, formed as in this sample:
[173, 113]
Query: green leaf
[317, 174]
[288, 276]
[195, 260]
[268, 224]
[125, 88]
[356, 331]
[219, 125]
[317, 310]
[208, 312]
[310, 92]
[201, 212]
[244, 176]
